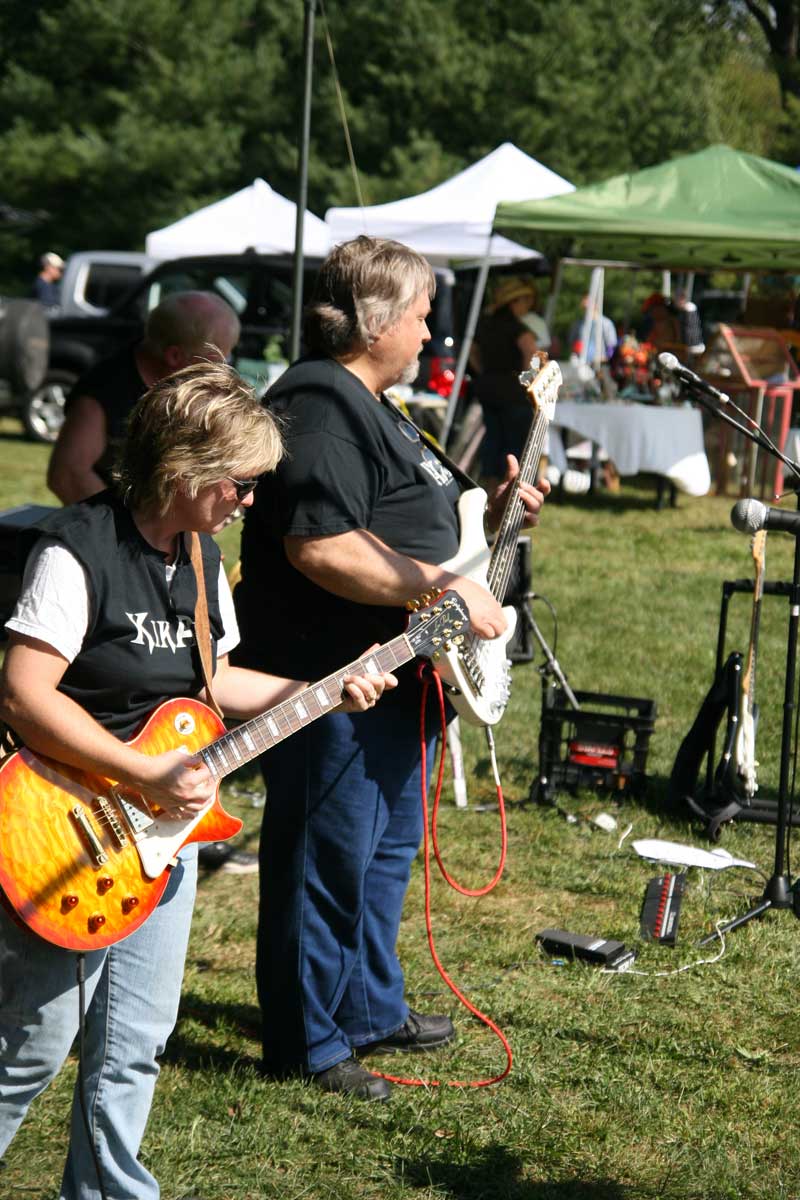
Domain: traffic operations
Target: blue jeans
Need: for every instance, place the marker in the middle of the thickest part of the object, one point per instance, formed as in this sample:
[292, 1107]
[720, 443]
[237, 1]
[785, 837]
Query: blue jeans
[132, 994]
[342, 824]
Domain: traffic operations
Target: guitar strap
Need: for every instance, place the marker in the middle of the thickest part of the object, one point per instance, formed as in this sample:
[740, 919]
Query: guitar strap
[202, 630]
[465, 481]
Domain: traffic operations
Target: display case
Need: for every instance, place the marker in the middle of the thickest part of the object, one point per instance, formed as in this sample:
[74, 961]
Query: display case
[755, 367]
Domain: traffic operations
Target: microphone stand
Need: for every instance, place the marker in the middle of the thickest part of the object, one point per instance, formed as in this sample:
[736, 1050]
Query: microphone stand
[778, 891]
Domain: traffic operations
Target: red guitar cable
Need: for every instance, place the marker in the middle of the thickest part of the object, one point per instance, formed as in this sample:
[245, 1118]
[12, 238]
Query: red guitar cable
[425, 674]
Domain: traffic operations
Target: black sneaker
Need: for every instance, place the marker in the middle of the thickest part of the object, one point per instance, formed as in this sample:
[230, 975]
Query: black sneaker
[418, 1032]
[221, 856]
[350, 1078]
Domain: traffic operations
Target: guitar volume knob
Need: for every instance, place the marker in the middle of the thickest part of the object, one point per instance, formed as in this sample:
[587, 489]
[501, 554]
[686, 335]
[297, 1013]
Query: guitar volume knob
[96, 922]
[130, 903]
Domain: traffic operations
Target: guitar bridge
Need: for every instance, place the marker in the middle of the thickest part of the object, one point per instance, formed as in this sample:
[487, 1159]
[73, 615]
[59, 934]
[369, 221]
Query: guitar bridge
[113, 822]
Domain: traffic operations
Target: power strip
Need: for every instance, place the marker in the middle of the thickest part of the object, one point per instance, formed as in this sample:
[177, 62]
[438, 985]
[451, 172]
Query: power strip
[600, 952]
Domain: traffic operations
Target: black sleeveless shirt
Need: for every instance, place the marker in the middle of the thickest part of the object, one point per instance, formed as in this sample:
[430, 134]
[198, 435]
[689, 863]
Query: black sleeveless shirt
[140, 647]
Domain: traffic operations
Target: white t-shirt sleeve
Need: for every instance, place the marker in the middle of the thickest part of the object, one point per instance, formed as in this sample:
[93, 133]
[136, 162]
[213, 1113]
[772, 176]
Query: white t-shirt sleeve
[54, 603]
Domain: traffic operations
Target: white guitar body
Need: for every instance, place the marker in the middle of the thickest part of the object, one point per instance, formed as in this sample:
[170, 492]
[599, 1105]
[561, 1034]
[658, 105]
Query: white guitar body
[745, 753]
[480, 672]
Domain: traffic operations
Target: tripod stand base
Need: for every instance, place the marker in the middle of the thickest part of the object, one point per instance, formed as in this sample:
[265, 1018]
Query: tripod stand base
[777, 894]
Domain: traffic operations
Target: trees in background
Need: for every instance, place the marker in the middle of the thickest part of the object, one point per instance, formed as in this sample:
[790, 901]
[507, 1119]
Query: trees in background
[118, 116]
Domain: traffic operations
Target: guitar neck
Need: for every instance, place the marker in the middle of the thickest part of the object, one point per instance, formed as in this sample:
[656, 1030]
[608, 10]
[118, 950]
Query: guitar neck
[749, 673]
[504, 549]
[748, 685]
[253, 737]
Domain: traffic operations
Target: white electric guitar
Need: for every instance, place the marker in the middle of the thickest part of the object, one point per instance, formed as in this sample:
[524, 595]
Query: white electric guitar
[478, 671]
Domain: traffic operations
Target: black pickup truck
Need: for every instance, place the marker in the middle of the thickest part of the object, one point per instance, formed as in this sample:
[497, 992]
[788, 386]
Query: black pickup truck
[258, 287]
[24, 353]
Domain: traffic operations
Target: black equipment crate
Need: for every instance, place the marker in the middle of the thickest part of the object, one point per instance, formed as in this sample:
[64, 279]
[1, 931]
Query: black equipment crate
[601, 746]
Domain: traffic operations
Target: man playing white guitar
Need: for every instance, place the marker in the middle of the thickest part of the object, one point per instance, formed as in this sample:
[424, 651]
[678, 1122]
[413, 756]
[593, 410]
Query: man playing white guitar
[359, 518]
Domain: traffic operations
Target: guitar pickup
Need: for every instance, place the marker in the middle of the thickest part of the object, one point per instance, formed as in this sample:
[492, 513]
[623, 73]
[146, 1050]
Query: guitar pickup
[98, 854]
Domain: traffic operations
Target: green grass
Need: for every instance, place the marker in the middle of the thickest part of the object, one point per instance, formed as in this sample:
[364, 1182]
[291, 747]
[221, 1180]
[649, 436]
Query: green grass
[659, 1086]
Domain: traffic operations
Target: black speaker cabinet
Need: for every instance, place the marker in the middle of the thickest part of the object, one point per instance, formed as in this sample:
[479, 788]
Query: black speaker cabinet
[521, 647]
[12, 522]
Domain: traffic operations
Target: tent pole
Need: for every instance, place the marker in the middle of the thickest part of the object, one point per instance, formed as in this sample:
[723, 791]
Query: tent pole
[302, 180]
[555, 290]
[466, 342]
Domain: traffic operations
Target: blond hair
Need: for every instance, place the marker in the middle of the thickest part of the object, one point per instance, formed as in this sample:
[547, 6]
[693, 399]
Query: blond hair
[193, 428]
[363, 288]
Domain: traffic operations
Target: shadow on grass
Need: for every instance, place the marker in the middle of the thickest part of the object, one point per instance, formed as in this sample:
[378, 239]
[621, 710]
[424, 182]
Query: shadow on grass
[495, 1174]
[196, 1053]
[643, 497]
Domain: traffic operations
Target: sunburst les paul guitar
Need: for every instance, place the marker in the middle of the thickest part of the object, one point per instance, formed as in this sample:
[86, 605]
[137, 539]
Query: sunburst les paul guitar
[84, 863]
[736, 773]
[479, 673]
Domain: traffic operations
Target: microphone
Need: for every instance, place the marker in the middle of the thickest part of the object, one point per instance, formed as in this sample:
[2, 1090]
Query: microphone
[670, 363]
[748, 516]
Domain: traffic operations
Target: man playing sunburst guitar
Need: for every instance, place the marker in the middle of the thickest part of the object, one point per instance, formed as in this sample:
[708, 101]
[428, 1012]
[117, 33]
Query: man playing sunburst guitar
[104, 632]
[360, 516]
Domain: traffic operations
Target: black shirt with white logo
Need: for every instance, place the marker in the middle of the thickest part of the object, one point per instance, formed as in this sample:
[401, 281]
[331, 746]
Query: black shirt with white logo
[352, 463]
[139, 648]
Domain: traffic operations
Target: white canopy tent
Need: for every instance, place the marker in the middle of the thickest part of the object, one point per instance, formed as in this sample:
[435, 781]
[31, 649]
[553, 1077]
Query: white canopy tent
[453, 223]
[256, 218]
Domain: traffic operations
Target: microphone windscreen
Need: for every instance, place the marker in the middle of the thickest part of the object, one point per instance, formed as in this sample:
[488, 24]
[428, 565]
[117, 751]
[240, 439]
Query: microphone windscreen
[668, 361]
[748, 516]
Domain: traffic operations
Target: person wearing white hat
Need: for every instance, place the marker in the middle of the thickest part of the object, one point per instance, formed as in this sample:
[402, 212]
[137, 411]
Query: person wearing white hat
[47, 284]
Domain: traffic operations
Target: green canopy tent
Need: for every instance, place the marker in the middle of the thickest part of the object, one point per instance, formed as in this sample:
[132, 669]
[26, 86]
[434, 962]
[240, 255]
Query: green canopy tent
[717, 209]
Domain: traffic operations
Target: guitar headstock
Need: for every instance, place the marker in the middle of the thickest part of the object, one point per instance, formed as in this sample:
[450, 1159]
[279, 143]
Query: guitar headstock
[439, 626]
[758, 549]
[542, 381]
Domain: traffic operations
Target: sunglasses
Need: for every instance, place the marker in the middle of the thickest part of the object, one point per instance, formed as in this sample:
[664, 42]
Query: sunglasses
[243, 486]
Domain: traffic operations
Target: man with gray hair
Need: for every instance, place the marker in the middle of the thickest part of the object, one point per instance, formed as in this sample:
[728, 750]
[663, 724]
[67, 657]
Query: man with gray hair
[184, 328]
[354, 524]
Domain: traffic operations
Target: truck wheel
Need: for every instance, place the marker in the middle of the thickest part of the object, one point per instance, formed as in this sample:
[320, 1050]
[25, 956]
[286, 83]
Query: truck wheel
[42, 411]
[24, 344]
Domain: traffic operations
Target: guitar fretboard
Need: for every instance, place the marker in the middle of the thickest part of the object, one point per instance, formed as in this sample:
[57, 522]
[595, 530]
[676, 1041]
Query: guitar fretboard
[502, 560]
[261, 733]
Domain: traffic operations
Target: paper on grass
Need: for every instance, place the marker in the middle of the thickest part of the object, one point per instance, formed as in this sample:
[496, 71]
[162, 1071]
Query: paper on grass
[688, 856]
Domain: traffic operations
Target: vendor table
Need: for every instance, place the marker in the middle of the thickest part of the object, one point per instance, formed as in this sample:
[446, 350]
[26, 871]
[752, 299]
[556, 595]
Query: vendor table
[666, 441]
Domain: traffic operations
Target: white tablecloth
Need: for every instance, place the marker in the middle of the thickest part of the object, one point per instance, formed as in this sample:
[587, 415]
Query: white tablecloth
[639, 437]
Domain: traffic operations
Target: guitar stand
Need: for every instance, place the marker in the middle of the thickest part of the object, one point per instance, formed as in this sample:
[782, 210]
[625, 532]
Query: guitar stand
[713, 801]
[780, 892]
[550, 668]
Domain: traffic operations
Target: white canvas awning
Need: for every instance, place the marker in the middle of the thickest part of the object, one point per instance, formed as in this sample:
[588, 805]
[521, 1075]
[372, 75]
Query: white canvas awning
[256, 218]
[453, 221]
